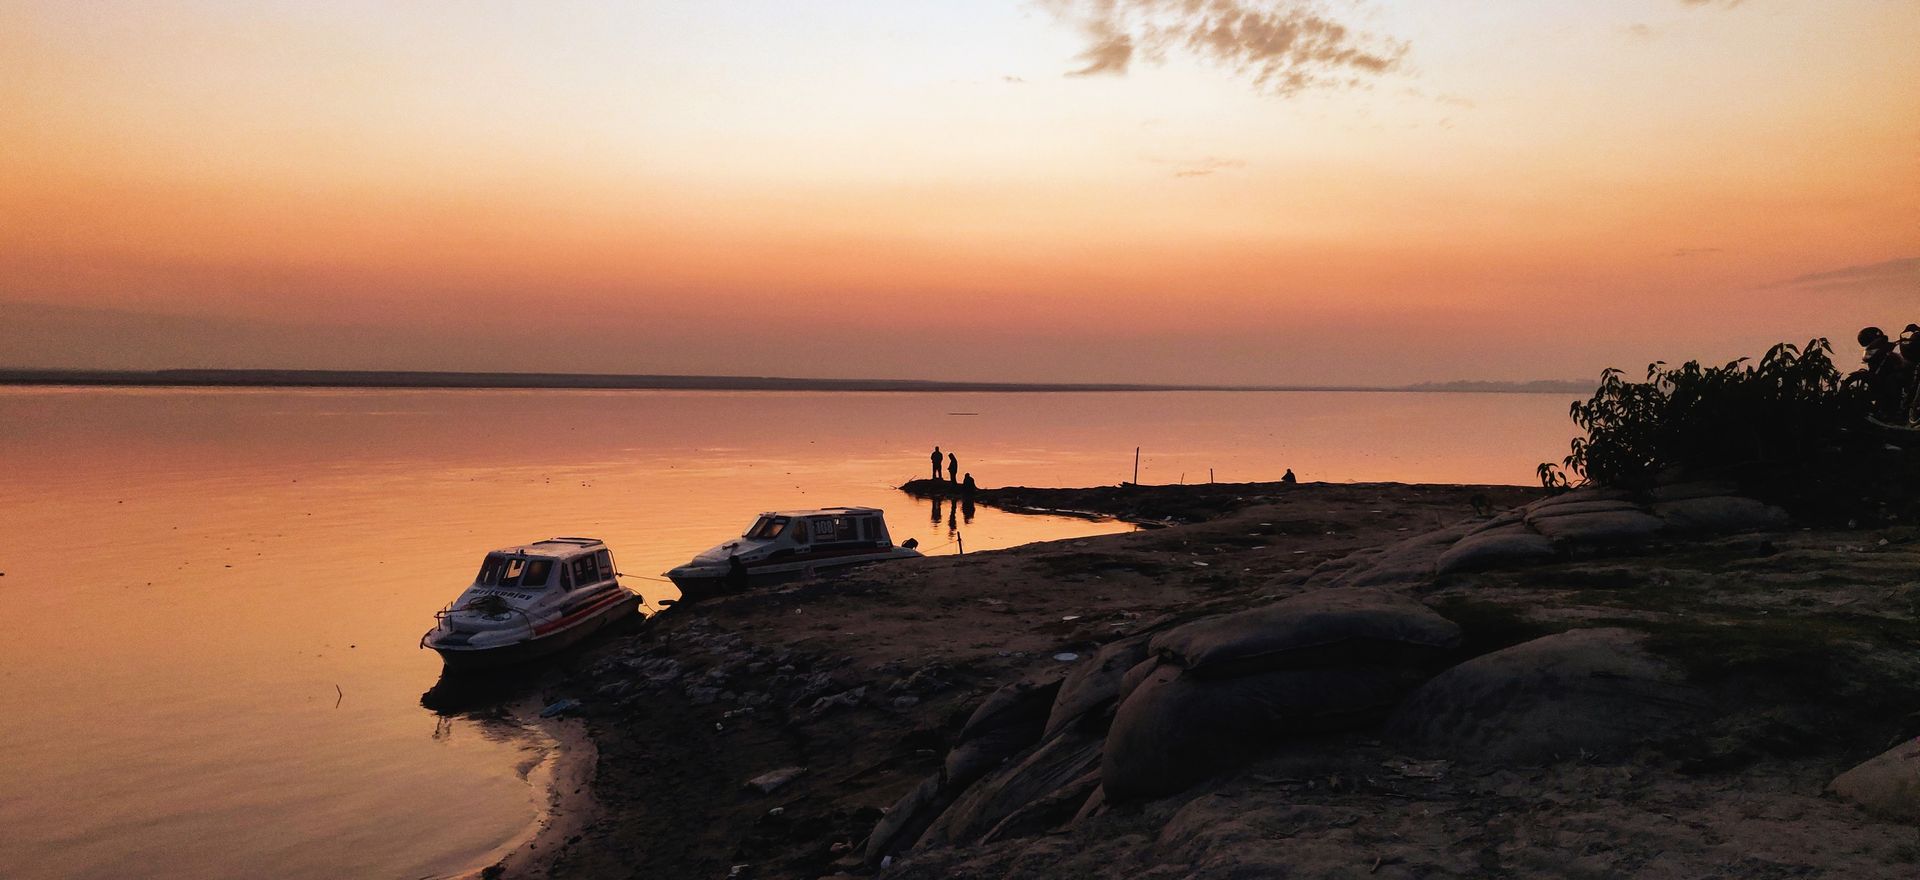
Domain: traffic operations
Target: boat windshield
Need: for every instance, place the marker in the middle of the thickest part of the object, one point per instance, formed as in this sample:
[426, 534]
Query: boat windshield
[767, 528]
[501, 570]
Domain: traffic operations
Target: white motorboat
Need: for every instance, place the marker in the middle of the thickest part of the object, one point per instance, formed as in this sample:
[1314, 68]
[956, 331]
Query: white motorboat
[531, 601]
[791, 544]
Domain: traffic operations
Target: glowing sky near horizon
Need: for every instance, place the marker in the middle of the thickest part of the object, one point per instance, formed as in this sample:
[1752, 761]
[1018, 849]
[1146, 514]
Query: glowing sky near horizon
[1530, 189]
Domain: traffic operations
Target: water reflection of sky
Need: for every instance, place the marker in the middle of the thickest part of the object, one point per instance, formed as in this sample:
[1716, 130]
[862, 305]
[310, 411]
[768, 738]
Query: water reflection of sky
[219, 592]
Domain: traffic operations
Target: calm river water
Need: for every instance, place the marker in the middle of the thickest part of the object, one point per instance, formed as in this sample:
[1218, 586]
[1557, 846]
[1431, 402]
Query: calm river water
[215, 596]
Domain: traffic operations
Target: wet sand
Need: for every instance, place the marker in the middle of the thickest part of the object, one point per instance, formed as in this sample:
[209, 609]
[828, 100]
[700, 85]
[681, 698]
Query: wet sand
[863, 681]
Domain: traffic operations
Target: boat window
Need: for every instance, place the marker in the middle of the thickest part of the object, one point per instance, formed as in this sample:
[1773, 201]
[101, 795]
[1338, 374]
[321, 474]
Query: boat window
[536, 573]
[605, 558]
[866, 529]
[800, 535]
[586, 570]
[823, 529]
[490, 570]
[845, 528]
[767, 528]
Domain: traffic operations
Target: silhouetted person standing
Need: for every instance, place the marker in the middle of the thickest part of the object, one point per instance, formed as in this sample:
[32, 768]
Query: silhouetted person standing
[936, 462]
[1288, 479]
[953, 469]
[967, 488]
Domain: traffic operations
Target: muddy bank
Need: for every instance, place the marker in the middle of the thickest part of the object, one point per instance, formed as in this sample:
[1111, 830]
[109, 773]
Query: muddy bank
[768, 734]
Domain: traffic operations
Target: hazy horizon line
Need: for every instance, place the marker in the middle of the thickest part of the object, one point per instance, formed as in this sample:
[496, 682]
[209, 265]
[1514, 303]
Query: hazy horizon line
[316, 378]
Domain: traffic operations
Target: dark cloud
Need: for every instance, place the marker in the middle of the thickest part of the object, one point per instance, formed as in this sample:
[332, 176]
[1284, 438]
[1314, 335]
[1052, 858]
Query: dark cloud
[1890, 273]
[1283, 46]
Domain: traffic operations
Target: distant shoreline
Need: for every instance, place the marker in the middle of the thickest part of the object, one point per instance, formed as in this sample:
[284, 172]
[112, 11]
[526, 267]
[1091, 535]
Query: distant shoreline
[598, 381]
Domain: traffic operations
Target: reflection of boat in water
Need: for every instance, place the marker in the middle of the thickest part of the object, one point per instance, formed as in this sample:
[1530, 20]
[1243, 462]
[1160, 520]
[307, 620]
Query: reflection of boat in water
[529, 602]
[790, 544]
[1890, 426]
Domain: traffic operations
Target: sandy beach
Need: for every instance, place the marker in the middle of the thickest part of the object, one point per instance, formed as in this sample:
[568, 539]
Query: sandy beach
[840, 696]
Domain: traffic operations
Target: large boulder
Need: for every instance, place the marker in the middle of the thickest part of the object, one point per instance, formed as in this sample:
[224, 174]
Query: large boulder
[1589, 692]
[1010, 719]
[1721, 514]
[1329, 627]
[1509, 546]
[1018, 784]
[1178, 728]
[1094, 686]
[1887, 786]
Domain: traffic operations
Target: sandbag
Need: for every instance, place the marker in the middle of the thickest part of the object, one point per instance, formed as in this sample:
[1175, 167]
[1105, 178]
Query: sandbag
[983, 754]
[1016, 784]
[1510, 546]
[1721, 514]
[1887, 786]
[1580, 507]
[1178, 728]
[1589, 692]
[1694, 489]
[1330, 627]
[1611, 527]
[1407, 562]
[1095, 684]
[1499, 521]
[1137, 675]
[1578, 496]
[909, 817]
[1017, 704]
[1055, 809]
[1007, 721]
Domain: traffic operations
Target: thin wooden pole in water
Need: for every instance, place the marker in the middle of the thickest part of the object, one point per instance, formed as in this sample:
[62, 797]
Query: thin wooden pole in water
[1136, 465]
[1209, 476]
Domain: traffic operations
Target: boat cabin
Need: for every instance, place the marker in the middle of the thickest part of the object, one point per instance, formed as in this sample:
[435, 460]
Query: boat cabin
[563, 563]
[827, 528]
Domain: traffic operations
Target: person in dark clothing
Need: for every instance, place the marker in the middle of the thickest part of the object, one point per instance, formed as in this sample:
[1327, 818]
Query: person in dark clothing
[967, 488]
[953, 469]
[737, 573]
[936, 462]
[1288, 478]
[1885, 373]
[1909, 350]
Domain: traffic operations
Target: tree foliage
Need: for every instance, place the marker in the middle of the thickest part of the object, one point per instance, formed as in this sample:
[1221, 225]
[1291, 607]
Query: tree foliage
[1704, 420]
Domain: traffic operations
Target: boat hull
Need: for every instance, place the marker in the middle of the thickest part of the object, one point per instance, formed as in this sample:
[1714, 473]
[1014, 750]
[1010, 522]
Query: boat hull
[456, 656]
[705, 582]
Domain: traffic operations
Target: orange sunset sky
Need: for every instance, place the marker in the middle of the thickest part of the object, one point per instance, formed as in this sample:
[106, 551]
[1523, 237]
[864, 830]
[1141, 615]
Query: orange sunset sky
[1052, 190]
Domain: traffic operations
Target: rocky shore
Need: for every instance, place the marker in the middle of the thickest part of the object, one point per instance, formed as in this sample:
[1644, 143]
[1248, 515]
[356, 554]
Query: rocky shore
[1315, 680]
